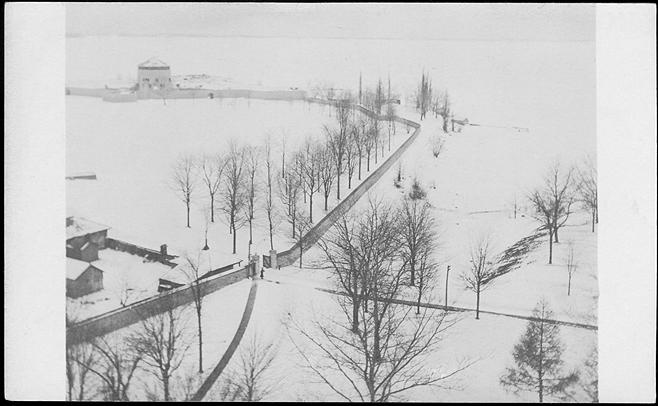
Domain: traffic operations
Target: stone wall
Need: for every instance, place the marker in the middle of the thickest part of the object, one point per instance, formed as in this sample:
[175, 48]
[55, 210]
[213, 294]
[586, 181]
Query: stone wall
[287, 258]
[123, 317]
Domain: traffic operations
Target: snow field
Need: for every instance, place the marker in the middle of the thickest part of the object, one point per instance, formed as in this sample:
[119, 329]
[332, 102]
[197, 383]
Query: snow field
[130, 147]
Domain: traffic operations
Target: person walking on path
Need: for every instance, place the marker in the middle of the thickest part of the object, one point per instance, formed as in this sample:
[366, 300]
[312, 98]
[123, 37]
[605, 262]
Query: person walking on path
[262, 272]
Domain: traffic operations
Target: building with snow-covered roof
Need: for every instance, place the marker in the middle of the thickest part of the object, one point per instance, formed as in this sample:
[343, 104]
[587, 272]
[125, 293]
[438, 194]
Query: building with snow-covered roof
[84, 238]
[82, 278]
[153, 76]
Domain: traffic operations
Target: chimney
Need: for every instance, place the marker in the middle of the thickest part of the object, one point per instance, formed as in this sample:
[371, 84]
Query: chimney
[163, 250]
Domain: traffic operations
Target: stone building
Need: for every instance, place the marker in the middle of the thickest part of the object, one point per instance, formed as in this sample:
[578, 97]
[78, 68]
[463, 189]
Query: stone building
[153, 77]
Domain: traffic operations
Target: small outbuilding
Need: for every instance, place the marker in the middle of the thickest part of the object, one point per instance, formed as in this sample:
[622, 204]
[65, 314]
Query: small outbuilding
[82, 278]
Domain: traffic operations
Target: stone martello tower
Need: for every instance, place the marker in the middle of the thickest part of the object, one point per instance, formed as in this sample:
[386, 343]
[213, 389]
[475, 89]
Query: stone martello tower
[153, 77]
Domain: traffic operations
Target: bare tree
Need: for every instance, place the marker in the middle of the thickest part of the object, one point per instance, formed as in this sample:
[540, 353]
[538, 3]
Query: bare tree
[387, 354]
[289, 191]
[193, 273]
[351, 154]
[234, 196]
[390, 113]
[340, 253]
[587, 188]
[437, 146]
[251, 167]
[359, 135]
[163, 342]
[283, 154]
[571, 264]
[310, 169]
[417, 233]
[553, 203]
[483, 270]
[79, 359]
[424, 95]
[444, 108]
[184, 181]
[427, 272]
[211, 171]
[538, 360]
[269, 199]
[251, 380]
[338, 139]
[368, 141]
[115, 365]
[376, 136]
[301, 224]
[326, 172]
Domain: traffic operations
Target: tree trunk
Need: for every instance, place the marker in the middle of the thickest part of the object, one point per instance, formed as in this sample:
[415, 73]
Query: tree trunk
[326, 197]
[355, 315]
[597, 215]
[413, 274]
[165, 384]
[337, 188]
[188, 215]
[349, 181]
[557, 240]
[310, 210]
[368, 162]
[477, 305]
[212, 208]
[550, 247]
[198, 316]
[569, 288]
[359, 166]
[234, 235]
[300, 249]
[420, 291]
[593, 219]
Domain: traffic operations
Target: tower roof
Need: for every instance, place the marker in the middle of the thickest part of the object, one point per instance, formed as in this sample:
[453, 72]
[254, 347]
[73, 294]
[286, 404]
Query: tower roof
[153, 63]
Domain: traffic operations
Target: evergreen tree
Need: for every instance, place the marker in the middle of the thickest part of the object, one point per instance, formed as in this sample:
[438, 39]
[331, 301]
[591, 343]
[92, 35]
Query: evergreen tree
[590, 381]
[538, 360]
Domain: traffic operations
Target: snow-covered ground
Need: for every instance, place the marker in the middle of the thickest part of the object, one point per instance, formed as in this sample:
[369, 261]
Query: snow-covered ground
[131, 147]
[128, 278]
[221, 315]
[547, 87]
[489, 341]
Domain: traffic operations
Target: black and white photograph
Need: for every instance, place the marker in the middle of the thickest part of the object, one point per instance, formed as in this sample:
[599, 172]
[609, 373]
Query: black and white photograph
[333, 202]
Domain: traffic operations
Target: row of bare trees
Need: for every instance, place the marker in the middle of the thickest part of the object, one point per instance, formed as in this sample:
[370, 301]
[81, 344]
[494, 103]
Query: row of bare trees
[438, 102]
[242, 181]
[231, 182]
[556, 199]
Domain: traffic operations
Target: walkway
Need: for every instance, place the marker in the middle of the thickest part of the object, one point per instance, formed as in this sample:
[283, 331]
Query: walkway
[242, 327]
[456, 309]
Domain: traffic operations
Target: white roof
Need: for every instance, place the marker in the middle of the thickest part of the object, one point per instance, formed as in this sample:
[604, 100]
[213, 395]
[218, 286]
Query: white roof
[81, 226]
[153, 63]
[75, 268]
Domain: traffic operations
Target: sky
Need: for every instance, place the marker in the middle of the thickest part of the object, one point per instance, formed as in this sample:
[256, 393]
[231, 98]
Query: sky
[417, 21]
